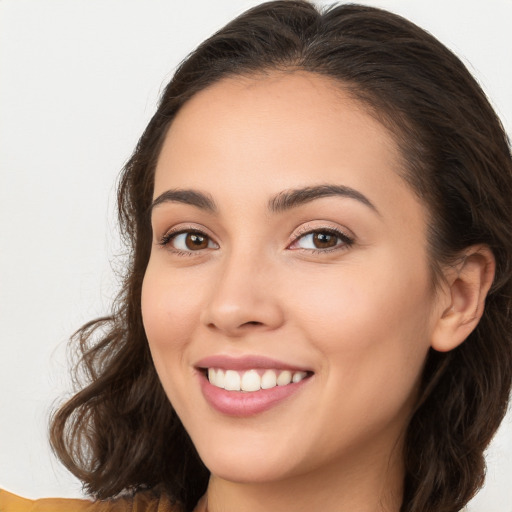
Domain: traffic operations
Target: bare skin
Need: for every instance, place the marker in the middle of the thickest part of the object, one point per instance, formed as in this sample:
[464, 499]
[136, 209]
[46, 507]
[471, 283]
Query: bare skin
[338, 284]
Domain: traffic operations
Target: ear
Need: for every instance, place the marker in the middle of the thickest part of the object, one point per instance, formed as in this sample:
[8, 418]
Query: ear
[463, 297]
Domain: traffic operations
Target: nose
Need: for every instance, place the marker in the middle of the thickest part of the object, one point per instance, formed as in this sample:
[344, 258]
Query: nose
[244, 297]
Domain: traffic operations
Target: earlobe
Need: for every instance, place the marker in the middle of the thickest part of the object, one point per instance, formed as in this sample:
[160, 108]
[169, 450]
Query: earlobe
[465, 292]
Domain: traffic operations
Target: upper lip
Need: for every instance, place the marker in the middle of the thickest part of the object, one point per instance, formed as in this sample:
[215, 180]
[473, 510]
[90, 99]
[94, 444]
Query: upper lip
[249, 362]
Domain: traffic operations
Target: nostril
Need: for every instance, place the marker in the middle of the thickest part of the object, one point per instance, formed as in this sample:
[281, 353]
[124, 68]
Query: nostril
[240, 328]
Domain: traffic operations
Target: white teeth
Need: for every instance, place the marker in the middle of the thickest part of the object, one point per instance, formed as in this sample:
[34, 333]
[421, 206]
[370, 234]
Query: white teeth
[220, 378]
[251, 380]
[232, 380]
[284, 378]
[269, 380]
[298, 376]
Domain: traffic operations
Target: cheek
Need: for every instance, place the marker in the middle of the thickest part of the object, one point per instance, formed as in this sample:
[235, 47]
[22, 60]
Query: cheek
[170, 316]
[374, 352]
[354, 304]
[170, 313]
[372, 328]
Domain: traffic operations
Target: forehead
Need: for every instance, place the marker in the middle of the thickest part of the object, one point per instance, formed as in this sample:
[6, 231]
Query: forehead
[306, 104]
[262, 120]
[252, 137]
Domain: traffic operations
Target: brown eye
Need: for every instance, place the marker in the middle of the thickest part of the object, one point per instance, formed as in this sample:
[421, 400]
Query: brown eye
[196, 241]
[188, 241]
[324, 240]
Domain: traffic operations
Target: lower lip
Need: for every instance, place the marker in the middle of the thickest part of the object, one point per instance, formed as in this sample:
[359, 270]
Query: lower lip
[244, 404]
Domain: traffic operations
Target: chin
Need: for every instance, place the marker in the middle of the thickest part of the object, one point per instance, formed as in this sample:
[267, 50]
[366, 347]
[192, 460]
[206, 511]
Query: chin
[247, 460]
[237, 470]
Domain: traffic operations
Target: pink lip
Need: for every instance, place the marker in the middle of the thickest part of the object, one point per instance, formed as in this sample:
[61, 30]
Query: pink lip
[239, 403]
[246, 363]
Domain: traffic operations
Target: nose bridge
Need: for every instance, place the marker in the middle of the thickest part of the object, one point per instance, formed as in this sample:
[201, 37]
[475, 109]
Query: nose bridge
[242, 297]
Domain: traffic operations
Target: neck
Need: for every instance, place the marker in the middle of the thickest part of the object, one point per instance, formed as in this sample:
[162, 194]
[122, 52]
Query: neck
[370, 484]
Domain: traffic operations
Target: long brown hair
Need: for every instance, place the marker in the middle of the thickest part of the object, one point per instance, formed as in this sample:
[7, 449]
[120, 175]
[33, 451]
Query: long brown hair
[119, 433]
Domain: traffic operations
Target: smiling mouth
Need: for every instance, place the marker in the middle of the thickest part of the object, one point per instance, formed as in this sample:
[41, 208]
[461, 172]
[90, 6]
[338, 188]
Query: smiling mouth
[253, 380]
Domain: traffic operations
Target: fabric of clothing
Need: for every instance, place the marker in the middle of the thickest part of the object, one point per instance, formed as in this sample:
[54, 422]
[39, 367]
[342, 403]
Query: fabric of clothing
[141, 502]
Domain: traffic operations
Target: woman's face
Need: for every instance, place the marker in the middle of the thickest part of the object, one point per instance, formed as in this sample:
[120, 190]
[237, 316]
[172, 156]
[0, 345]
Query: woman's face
[286, 246]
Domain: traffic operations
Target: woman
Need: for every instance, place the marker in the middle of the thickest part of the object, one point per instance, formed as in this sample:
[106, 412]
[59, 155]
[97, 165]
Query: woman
[318, 212]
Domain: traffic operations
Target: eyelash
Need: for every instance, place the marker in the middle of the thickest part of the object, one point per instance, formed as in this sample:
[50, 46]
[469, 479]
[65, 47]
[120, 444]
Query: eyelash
[171, 235]
[346, 241]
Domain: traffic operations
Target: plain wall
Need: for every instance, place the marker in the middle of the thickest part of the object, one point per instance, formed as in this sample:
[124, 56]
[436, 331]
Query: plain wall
[79, 80]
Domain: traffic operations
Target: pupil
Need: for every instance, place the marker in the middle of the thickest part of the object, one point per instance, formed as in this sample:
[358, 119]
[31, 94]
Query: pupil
[195, 241]
[323, 240]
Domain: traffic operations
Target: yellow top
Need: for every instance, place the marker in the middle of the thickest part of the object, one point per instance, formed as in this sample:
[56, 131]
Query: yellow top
[141, 502]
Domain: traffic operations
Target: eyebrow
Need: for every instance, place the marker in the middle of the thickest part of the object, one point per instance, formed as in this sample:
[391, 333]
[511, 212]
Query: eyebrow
[285, 200]
[186, 196]
[289, 199]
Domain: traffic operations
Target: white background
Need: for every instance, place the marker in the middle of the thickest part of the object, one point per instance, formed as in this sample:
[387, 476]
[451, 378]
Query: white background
[79, 80]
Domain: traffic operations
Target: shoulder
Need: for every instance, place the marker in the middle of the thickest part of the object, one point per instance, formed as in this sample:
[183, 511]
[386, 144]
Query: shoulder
[141, 502]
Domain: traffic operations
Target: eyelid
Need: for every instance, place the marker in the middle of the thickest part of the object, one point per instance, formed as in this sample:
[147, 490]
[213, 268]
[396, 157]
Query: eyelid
[171, 233]
[315, 226]
[344, 235]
